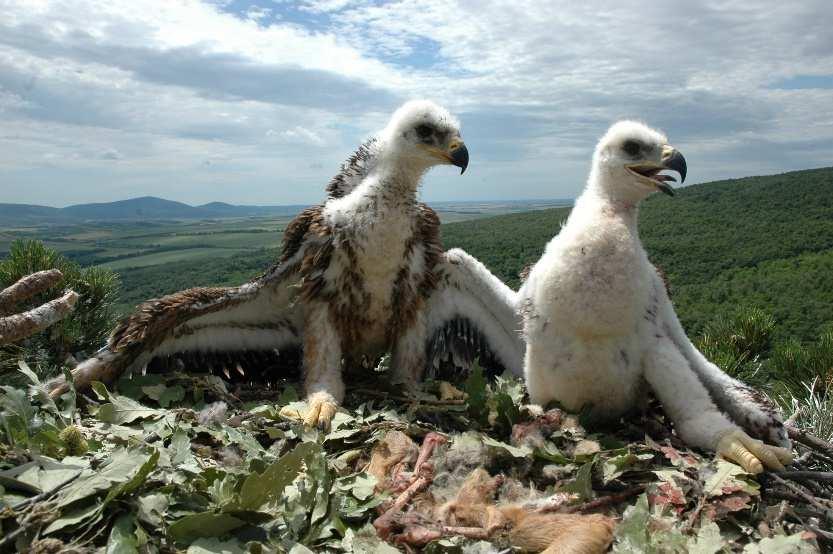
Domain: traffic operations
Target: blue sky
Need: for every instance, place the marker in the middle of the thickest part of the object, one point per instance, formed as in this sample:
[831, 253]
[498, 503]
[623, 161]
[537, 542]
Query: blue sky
[260, 101]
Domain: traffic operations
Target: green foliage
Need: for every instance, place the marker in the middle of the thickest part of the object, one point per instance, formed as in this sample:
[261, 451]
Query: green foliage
[800, 374]
[162, 480]
[813, 410]
[31, 419]
[793, 364]
[493, 404]
[83, 331]
[737, 342]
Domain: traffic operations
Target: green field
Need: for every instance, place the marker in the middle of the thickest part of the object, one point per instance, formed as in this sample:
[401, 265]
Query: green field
[140, 244]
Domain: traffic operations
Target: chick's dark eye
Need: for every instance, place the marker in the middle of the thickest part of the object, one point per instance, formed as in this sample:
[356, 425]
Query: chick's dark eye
[424, 131]
[631, 147]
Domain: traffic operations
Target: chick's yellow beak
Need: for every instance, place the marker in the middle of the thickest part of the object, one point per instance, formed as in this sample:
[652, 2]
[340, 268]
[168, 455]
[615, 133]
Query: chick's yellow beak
[456, 154]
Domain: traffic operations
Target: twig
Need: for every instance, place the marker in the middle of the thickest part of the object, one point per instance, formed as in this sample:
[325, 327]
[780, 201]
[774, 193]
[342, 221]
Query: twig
[605, 501]
[25, 522]
[46, 494]
[816, 486]
[784, 495]
[790, 422]
[815, 476]
[827, 512]
[692, 519]
[826, 534]
[782, 512]
[821, 457]
[807, 439]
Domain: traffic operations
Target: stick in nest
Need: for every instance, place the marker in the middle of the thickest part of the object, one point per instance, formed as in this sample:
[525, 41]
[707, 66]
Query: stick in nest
[19, 326]
[827, 512]
[809, 440]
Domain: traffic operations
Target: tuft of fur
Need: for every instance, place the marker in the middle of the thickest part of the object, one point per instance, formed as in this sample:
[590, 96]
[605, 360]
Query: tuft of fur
[522, 526]
[213, 414]
[455, 461]
[230, 457]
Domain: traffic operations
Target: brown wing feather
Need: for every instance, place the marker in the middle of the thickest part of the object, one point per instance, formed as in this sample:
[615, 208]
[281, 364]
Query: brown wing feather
[155, 319]
[135, 337]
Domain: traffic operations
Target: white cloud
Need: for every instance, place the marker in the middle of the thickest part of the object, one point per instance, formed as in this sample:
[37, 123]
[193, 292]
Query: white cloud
[256, 13]
[298, 134]
[193, 97]
[111, 154]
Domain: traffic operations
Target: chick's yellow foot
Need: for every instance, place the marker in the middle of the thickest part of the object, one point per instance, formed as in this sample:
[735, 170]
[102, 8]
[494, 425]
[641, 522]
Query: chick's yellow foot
[751, 454]
[321, 410]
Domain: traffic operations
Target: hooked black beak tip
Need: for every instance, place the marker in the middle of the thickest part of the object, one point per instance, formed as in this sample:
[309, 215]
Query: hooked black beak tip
[460, 157]
[676, 162]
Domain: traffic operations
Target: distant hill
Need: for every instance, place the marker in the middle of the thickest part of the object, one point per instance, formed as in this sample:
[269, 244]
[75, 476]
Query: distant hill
[146, 207]
[143, 208]
[152, 208]
[222, 209]
[29, 214]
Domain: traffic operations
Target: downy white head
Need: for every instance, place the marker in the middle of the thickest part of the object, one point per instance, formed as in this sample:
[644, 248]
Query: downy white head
[420, 135]
[629, 160]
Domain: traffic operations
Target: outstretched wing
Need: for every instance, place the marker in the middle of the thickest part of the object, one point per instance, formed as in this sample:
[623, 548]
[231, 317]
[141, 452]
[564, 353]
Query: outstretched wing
[746, 406]
[208, 323]
[472, 314]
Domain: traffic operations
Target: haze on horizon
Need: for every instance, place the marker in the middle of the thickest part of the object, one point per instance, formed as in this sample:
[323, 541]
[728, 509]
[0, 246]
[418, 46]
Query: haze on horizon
[258, 102]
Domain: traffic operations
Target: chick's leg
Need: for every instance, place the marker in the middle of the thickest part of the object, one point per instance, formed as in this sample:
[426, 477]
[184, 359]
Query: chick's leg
[696, 418]
[746, 406]
[408, 360]
[323, 384]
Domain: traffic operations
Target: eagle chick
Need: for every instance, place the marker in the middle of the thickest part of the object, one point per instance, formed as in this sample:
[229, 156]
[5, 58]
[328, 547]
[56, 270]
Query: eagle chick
[598, 320]
[360, 275]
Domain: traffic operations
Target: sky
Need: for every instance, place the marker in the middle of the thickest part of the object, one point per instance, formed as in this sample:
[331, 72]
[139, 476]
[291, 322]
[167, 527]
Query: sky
[258, 102]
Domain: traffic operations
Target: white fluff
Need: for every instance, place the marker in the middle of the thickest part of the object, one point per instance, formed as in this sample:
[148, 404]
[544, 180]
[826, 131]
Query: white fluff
[598, 320]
